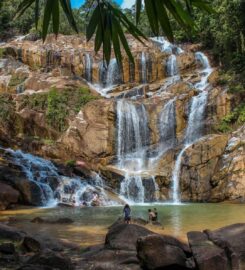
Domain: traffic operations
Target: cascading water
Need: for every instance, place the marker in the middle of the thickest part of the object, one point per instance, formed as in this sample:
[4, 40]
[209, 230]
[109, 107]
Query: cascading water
[133, 135]
[55, 188]
[110, 76]
[88, 67]
[195, 121]
[132, 140]
[172, 68]
[166, 46]
[167, 131]
[143, 68]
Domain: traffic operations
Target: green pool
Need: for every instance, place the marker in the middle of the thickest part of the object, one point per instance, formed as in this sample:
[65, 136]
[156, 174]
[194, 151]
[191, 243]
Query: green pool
[90, 224]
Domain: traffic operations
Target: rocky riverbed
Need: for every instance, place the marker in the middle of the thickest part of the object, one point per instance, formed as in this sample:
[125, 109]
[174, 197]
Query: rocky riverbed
[126, 247]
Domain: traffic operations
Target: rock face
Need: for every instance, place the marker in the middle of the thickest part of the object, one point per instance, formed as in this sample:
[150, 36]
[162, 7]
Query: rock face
[230, 175]
[8, 195]
[199, 164]
[90, 135]
[211, 170]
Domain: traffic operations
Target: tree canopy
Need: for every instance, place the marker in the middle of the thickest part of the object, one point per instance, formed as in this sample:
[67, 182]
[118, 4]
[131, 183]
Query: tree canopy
[107, 22]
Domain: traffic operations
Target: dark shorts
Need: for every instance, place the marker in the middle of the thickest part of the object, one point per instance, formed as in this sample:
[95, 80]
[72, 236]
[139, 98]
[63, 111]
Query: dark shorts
[127, 218]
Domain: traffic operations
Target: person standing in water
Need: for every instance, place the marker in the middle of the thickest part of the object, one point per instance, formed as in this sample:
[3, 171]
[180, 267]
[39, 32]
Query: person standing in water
[151, 215]
[156, 215]
[127, 214]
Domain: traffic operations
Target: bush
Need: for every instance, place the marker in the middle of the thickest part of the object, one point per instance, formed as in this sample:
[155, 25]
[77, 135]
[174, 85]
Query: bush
[236, 117]
[71, 163]
[6, 108]
[58, 105]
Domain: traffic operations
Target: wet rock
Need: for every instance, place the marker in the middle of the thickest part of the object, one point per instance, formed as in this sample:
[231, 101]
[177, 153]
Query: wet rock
[124, 236]
[7, 248]
[51, 259]
[8, 195]
[30, 192]
[57, 221]
[206, 254]
[162, 252]
[11, 233]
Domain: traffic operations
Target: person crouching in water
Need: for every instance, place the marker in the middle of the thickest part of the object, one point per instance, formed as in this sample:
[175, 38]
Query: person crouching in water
[127, 214]
[151, 215]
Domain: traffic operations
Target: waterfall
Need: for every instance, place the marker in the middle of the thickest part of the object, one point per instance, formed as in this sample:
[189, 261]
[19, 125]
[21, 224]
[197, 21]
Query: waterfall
[88, 67]
[133, 134]
[167, 131]
[172, 67]
[133, 139]
[56, 188]
[110, 75]
[165, 46]
[195, 121]
[204, 72]
[132, 188]
[143, 68]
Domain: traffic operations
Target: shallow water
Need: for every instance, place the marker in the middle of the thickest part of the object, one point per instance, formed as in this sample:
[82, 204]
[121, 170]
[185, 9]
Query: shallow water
[90, 224]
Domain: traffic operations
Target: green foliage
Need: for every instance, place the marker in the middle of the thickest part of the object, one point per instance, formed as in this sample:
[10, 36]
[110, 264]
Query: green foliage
[48, 141]
[6, 108]
[2, 52]
[236, 117]
[9, 26]
[223, 32]
[107, 22]
[58, 106]
[16, 80]
[71, 163]
[56, 110]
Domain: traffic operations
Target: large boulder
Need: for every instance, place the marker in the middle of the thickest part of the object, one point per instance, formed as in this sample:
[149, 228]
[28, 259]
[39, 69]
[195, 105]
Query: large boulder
[232, 240]
[163, 252]
[8, 196]
[51, 259]
[30, 192]
[10, 233]
[124, 236]
[206, 254]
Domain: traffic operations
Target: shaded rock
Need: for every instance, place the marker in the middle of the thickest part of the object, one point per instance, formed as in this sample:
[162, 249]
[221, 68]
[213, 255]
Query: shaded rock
[51, 259]
[35, 267]
[206, 254]
[232, 240]
[31, 245]
[8, 195]
[7, 248]
[106, 259]
[124, 236]
[7, 232]
[162, 252]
